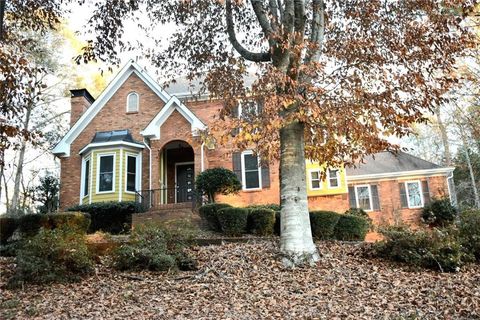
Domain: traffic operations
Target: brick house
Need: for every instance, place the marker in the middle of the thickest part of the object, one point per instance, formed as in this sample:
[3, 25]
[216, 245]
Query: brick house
[136, 140]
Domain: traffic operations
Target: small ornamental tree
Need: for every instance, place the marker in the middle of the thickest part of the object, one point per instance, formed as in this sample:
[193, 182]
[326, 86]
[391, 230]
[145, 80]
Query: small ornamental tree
[217, 181]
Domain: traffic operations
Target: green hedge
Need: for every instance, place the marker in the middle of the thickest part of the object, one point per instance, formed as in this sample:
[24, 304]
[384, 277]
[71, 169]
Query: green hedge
[261, 221]
[233, 221]
[277, 226]
[30, 224]
[209, 214]
[323, 224]
[271, 206]
[469, 231]
[351, 228]
[8, 225]
[112, 217]
[439, 213]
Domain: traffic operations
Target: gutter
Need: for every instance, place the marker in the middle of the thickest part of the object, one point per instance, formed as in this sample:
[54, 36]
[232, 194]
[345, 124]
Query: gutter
[389, 175]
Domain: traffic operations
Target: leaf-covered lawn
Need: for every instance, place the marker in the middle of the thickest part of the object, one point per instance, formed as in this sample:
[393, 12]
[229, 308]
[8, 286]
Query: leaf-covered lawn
[245, 281]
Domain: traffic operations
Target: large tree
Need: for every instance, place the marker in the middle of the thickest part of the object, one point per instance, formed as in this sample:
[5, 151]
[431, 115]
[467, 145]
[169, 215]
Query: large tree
[335, 78]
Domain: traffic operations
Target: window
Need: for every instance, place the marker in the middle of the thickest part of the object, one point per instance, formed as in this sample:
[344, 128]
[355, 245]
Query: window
[106, 174]
[86, 177]
[364, 197]
[315, 180]
[132, 102]
[333, 178]
[251, 172]
[414, 194]
[131, 173]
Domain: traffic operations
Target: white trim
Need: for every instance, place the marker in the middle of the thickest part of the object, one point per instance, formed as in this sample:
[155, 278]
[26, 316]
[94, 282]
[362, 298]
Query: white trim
[369, 196]
[153, 128]
[408, 195]
[181, 164]
[82, 177]
[63, 147]
[244, 182]
[149, 166]
[128, 100]
[91, 180]
[110, 144]
[99, 155]
[339, 183]
[138, 171]
[400, 174]
[120, 173]
[310, 180]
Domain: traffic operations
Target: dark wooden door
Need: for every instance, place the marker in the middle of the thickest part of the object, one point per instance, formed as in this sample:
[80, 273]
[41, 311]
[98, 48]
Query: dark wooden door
[185, 179]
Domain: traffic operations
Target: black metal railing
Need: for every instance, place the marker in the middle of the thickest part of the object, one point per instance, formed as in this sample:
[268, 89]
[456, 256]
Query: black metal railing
[163, 197]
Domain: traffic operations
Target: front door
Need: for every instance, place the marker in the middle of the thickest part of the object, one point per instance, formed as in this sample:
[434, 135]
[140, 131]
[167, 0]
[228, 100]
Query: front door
[185, 177]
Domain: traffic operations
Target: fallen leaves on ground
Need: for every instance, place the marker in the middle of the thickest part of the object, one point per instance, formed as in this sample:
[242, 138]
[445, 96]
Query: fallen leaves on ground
[246, 281]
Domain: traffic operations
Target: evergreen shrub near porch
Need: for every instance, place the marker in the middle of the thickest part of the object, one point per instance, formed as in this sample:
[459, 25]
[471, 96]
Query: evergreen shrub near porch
[323, 224]
[209, 213]
[112, 217]
[261, 221]
[351, 228]
[233, 221]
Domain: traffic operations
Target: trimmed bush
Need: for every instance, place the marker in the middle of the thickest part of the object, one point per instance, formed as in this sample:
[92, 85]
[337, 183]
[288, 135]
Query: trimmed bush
[277, 226]
[351, 228]
[439, 213]
[153, 248]
[469, 232]
[357, 212]
[271, 206]
[261, 221]
[437, 249]
[217, 181]
[53, 256]
[73, 220]
[30, 224]
[8, 225]
[323, 224]
[233, 221]
[111, 217]
[209, 214]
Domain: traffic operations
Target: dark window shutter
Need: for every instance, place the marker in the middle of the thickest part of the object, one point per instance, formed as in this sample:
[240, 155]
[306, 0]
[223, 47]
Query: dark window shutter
[351, 197]
[265, 176]
[235, 131]
[403, 195]
[237, 164]
[375, 197]
[426, 192]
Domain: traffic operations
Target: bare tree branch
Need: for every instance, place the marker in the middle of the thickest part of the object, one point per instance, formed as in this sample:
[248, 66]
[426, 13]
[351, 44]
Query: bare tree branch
[274, 11]
[251, 56]
[263, 20]
[318, 31]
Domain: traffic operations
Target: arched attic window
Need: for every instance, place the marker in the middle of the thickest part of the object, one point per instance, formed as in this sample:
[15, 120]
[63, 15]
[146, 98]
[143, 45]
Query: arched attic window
[132, 102]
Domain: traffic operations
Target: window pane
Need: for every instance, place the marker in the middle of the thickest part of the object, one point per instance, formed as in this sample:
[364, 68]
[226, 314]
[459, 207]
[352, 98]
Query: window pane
[131, 164]
[131, 173]
[364, 198]
[315, 175]
[333, 178]
[132, 102]
[86, 178]
[106, 164]
[131, 182]
[251, 180]
[251, 162]
[414, 196]
[315, 184]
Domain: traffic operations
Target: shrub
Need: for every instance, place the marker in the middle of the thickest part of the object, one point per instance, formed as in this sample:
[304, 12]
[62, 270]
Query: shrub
[217, 180]
[233, 221]
[323, 224]
[261, 221]
[8, 225]
[209, 213]
[30, 224]
[271, 206]
[73, 220]
[277, 227]
[469, 231]
[439, 213]
[111, 217]
[53, 256]
[153, 248]
[357, 212]
[436, 249]
[349, 228]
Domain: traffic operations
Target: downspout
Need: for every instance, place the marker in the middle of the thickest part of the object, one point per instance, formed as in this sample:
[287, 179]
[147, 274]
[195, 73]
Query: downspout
[149, 164]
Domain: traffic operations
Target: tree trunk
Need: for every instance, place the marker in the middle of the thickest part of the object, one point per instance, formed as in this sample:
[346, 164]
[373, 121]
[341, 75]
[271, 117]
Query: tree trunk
[472, 176]
[21, 158]
[296, 242]
[443, 133]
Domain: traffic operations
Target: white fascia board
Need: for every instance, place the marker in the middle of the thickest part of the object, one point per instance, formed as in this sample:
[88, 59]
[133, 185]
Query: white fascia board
[111, 144]
[63, 147]
[153, 128]
[401, 174]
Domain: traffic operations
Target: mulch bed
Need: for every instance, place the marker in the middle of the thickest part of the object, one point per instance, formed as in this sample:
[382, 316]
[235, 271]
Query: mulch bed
[246, 281]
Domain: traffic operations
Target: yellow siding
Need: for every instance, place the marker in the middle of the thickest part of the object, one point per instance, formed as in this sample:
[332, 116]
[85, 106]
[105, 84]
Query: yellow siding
[85, 200]
[325, 189]
[110, 196]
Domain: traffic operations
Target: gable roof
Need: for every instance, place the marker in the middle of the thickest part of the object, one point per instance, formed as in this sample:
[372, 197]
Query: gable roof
[153, 128]
[63, 147]
[393, 164]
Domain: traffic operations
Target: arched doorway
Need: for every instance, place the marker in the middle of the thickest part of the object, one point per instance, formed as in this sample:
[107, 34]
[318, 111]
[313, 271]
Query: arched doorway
[177, 172]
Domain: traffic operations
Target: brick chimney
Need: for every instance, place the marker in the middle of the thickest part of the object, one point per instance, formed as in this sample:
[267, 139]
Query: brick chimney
[81, 99]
